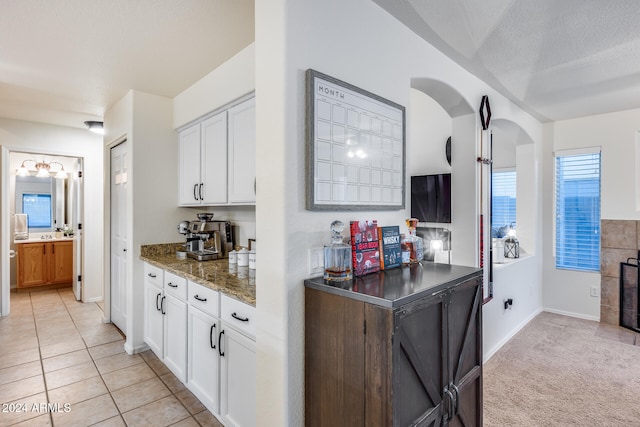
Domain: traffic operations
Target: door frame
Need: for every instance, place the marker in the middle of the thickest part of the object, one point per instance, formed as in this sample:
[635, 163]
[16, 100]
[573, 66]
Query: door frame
[5, 217]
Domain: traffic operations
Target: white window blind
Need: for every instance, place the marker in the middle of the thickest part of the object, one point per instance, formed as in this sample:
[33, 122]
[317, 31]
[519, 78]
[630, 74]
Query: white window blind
[503, 199]
[578, 211]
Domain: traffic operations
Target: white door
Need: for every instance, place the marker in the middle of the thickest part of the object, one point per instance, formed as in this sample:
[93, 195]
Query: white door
[119, 189]
[175, 336]
[189, 183]
[242, 152]
[238, 379]
[153, 318]
[76, 224]
[213, 152]
[203, 367]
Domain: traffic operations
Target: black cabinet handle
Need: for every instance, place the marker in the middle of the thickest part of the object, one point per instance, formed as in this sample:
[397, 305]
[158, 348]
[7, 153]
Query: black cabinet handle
[199, 299]
[213, 346]
[162, 305]
[172, 285]
[195, 187]
[158, 307]
[152, 275]
[200, 191]
[44, 250]
[53, 248]
[220, 343]
[242, 319]
[456, 399]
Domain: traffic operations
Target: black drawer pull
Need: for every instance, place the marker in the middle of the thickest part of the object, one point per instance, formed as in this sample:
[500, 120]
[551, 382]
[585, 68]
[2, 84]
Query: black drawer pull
[220, 352]
[200, 299]
[152, 275]
[211, 344]
[172, 285]
[157, 304]
[242, 319]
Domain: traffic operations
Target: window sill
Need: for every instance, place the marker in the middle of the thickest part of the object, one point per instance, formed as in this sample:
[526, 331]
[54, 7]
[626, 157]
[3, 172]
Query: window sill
[510, 261]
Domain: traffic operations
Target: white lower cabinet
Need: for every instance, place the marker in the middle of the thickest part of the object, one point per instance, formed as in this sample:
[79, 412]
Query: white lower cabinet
[207, 341]
[237, 378]
[203, 377]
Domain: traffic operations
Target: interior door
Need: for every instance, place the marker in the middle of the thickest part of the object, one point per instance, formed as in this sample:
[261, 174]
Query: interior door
[119, 189]
[76, 202]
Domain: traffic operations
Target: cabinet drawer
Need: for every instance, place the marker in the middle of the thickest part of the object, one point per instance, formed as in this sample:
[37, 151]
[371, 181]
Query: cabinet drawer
[238, 314]
[153, 275]
[204, 298]
[175, 285]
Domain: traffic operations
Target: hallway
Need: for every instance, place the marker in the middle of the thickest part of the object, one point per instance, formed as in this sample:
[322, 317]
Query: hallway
[56, 351]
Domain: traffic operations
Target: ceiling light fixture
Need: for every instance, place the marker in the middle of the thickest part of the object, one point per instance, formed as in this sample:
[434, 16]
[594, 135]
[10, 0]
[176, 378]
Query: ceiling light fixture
[95, 127]
[42, 169]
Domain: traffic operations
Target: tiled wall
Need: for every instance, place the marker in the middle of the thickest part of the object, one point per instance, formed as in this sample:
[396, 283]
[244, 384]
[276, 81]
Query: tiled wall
[619, 241]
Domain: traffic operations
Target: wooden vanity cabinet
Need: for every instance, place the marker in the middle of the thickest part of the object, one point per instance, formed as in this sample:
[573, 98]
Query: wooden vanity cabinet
[44, 263]
[419, 363]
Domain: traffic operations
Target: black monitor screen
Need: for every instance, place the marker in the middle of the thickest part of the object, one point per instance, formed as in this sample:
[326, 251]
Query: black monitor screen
[431, 198]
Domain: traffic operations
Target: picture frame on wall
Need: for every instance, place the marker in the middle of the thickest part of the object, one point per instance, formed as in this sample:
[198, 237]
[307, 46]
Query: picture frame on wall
[355, 147]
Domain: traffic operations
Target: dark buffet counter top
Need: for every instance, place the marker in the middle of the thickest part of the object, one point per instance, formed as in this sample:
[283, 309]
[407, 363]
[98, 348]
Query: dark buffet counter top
[238, 283]
[398, 286]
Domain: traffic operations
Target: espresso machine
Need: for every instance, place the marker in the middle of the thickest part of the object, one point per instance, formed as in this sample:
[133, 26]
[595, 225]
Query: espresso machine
[207, 239]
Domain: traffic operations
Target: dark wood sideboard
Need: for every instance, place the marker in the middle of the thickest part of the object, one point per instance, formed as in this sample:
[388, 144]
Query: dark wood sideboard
[396, 348]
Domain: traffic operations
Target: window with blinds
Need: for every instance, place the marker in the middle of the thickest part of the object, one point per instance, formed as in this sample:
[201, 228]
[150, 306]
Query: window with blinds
[577, 205]
[503, 202]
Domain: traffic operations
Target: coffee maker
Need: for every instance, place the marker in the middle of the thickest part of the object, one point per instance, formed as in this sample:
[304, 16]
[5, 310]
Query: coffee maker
[207, 239]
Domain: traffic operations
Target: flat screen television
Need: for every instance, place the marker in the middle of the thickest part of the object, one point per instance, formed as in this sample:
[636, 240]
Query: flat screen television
[431, 198]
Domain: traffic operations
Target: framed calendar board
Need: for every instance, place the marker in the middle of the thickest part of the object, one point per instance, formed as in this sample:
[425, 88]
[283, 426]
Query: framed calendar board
[355, 147]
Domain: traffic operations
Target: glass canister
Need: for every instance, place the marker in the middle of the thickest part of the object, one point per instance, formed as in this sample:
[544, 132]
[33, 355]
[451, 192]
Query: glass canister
[415, 243]
[337, 256]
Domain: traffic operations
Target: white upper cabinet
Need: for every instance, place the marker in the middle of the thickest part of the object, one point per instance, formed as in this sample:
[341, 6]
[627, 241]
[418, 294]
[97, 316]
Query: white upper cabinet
[217, 159]
[242, 152]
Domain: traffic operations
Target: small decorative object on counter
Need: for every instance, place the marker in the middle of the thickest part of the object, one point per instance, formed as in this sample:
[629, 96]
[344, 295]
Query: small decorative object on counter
[406, 250]
[58, 233]
[243, 257]
[415, 243]
[233, 257]
[511, 245]
[252, 260]
[390, 249]
[337, 256]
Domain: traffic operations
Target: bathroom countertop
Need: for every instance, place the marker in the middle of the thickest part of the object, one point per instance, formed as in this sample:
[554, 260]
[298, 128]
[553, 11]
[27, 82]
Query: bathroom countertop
[219, 275]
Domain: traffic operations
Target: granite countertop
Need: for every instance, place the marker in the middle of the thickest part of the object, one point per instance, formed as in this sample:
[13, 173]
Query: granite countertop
[236, 282]
[398, 286]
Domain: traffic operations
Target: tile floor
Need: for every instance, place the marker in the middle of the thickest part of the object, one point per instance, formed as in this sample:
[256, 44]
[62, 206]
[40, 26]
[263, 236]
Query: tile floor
[56, 351]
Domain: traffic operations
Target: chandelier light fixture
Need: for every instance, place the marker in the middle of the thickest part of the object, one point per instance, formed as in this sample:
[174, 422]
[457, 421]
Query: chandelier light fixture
[42, 169]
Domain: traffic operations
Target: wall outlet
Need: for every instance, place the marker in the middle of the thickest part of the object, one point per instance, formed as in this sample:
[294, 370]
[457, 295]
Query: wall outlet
[316, 261]
[595, 292]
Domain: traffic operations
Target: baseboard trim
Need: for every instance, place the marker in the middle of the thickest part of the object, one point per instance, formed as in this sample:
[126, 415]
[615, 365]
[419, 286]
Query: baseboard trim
[96, 299]
[513, 332]
[134, 350]
[571, 314]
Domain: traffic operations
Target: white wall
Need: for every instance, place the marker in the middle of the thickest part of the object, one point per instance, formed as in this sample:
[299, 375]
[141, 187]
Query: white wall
[567, 291]
[429, 126]
[364, 46]
[152, 212]
[16, 135]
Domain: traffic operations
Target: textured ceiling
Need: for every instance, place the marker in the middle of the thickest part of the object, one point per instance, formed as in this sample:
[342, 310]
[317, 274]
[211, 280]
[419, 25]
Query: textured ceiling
[66, 61]
[556, 59]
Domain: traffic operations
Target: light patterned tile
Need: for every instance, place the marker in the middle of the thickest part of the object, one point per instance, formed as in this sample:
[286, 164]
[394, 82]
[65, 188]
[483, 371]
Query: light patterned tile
[174, 384]
[19, 357]
[20, 372]
[140, 394]
[125, 377]
[78, 391]
[206, 419]
[13, 346]
[160, 413]
[158, 367]
[102, 337]
[70, 375]
[86, 413]
[66, 360]
[117, 361]
[62, 347]
[104, 350]
[22, 411]
[111, 422]
[22, 388]
[39, 421]
[187, 422]
[190, 401]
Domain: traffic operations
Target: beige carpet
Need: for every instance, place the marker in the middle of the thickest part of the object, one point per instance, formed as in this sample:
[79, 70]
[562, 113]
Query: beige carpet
[562, 371]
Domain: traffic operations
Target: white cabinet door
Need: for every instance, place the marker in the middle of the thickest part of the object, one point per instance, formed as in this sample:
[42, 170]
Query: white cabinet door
[153, 318]
[238, 379]
[242, 153]
[213, 152]
[175, 336]
[189, 183]
[203, 377]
